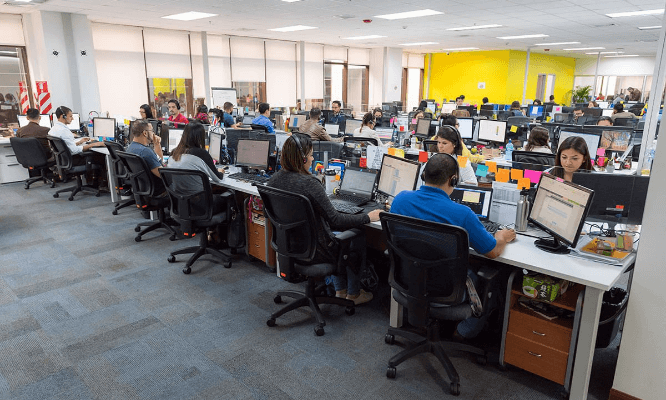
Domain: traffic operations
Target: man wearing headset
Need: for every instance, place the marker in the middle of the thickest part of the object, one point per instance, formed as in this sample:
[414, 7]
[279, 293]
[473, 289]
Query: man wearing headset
[76, 147]
[432, 202]
[175, 116]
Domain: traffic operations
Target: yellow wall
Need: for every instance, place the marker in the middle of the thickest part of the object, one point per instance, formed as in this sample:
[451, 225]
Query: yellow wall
[503, 72]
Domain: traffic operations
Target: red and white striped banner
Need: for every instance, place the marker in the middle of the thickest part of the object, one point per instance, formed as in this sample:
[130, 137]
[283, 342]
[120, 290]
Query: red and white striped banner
[23, 95]
[45, 103]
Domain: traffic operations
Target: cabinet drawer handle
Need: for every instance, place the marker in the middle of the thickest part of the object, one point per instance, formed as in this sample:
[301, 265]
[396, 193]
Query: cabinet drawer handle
[256, 245]
[535, 354]
[538, 333]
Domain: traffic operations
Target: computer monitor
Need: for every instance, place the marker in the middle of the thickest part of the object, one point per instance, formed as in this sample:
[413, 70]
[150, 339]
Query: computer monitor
[613, 138]
[595, 112]
[476, 198]
[494, 131]
[607, 113]
[215, 145]
[23, 120]
[274, 113]
[247, 120]
[104, 127]
[75, 125]
[386, 106]
[603, 104]
[535, 111]
[470, 109]
[296, 121]
[174, 138]
[384, 133]
[490, 107]
[465, 127]
[351, 125]
[422, 127]
[253, 153]
[447, 108]
[397, 174]
[591, 139]
[556, 110]
[431, 105]
[560, 208]
[332, 129]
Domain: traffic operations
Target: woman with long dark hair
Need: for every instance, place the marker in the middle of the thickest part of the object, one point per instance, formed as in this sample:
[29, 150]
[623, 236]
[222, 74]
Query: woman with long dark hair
[572, 155]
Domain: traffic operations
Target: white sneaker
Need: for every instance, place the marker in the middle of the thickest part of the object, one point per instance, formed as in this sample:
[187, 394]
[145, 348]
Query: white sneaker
[362, 297]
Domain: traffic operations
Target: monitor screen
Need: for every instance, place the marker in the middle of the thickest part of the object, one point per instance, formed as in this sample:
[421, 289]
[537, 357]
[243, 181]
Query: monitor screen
[351, 125]
[557, 110]
[295, 121]
[591, 139]
[560, 208]
[357, 183]
[214, 145]
[253, 153]
[476, 198]
[447, 108]
[104, 127]
[607, 113]
[422, 127]
[615, 140]
[332, 129]
[494, 131]
[75, 125]
[397, 174]
[23, 120]
[384, 133]
[618, 198]
[247, 120]
[174, 138]
[465, 127]
[536, 111]
[45, 121]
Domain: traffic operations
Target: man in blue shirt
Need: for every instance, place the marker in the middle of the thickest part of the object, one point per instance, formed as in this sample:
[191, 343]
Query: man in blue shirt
[262, 119]
[338, 117]
[432, 202]
[146, 144]
[228, 119]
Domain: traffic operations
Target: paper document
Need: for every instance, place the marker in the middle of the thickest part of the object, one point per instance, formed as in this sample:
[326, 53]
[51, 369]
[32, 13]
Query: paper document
[503, 207]
[375, 154]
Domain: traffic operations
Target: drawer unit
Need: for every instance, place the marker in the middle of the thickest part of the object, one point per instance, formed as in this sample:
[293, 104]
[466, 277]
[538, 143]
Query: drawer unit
[10, 169]
[536, 358]
[258, 240]
[539, 330]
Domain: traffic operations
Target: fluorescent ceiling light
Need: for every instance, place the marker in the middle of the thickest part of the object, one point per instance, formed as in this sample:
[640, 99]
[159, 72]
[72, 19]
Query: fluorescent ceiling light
[636, 13]
[22, 1]
[410, 14]
[417, 44]
[555, 44]
[365, 37]
[290, 1]
[645, 28]
[585, 48]
[523, 36]
[607, 52]
[7, 52]
[461, 49]
[190, 16]
[622, 55]
[469, 28]
[293, 28]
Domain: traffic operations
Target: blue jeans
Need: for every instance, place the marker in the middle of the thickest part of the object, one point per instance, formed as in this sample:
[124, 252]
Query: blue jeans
[351, 282]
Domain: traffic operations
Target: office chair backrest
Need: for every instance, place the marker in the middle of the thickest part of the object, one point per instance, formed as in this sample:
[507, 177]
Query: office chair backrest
[333, 148]
[63, 156]
[256, 127]
[190, 193]
[363, 141]
[430, 145]
[532, 160]
[427, 115]
[640, 125]
[429, 262]
[140, 176]
[460, 113]
[631, 122]
[29, 152]
[517, 121]
[118, 165]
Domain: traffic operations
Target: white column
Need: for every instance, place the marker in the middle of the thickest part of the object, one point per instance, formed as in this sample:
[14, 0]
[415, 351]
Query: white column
[206, 67]
[301, 49]
[392, 74]
[527, 67]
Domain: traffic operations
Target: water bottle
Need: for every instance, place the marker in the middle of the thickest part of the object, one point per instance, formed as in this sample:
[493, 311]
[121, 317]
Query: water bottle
[522, 209]
[509, 151]
[649, 156]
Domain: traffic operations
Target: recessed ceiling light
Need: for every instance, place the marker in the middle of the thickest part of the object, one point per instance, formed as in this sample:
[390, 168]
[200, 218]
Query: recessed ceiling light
[469, 28]
[523, 36]
[293, 28]
[22, 1]
[606, 52]
[636, 13]
[7, 52]
[585, 48]
[190, 16]
[365, 37]
[410, 14]
[461, 49]
[290, 1]
[645, 28]
[555, 44]
[417, 44]
[622, 55]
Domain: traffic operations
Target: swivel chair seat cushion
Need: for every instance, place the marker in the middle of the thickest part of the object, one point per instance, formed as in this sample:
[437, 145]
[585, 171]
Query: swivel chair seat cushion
[217, 219]
[315, 270]
[455, 312]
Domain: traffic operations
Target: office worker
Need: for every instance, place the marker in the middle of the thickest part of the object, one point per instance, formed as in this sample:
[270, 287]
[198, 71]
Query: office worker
[484, 100]
[316, 131]
[605, 121]
[572, 155]
[449, 142]
[536, 102]
[146, 144]
[577, 112]
[146, 112]
[296, 159]
[452, 120]
[263, 118]
[634, 94]
[538, 140]
[618, 99]
[432, 202]
[178, 119]
[515, 110]
[459, 100]
[551, 100]
[229, 121]
[592, 104]
[76, 147]
[33, 129]
[618, 112]
[378, 114]
[366, 130]
[338, 117]
[202, 114]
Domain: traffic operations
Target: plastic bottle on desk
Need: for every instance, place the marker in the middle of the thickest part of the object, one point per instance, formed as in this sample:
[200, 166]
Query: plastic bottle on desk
[509, 151]
[649, 156]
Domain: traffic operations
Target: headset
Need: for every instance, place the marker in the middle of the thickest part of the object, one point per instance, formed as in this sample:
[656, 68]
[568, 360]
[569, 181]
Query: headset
[454, 179]
[174, 101]
[300, 148]
[62, 112]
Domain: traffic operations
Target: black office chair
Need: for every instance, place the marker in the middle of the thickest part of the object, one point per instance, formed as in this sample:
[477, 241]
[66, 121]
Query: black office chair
[351, 144]
[31, 155]
[532, 160]
[122, 183]
[64, 163]
[257, 127]
[429, 263]
[333, 148]
[295, 241]
[640, 125]
[518, 121]
[630, 122]
[430, 146]
[144, 190]
[191, 199]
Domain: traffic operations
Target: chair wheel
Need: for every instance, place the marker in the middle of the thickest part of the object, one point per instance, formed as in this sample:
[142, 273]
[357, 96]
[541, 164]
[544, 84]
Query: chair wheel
[187, 270]
[171, 259]
[137, 229]
[455, 388]
[56, 195]
[114, 212]
[227, 264]
[271, 322]
[53, 184]
[71, 198]
[137, 239]
[97, 194]
[389, 339]
[319, 330]
[26, 187]
[391, 372]
[350, 311]
[172, 237]
[277, 299]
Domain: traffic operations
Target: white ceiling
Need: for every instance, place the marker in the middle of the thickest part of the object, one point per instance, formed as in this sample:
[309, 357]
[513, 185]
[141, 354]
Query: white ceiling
[564, 21]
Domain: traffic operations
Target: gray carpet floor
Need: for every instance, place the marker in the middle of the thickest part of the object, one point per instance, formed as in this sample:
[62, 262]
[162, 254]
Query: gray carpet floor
[88, 313]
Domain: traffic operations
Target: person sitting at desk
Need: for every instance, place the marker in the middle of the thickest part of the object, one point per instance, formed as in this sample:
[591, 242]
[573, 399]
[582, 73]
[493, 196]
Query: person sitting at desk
[146, 112]
[366, 130]
[378, 114]
[338, 117]
[460, 100]
[538, 141]
[33, 129]
[146, 144]
[431, 202]
[316, 131]
[452, 120]
[228, 119]
[193, 145]
[263, 118]
[175, 116]
[484, 100]
[634, 94]
[296, 159]
[551, 100]
[592, 104]
[618, 112]
[515, 110]
[605, 121]
[63, 118]
[536, 102]
[449, 142]
[572, 155]
[202, 114]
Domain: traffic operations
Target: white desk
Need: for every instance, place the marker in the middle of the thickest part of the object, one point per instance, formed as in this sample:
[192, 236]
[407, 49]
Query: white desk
[111, 173]
[10, 169]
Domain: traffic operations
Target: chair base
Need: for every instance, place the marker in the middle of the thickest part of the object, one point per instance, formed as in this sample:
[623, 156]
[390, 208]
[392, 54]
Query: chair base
[431, 343]
[122, 204]
[200, 250]
[43, 177]
[151, 226]
[80, 187]
[312, 297]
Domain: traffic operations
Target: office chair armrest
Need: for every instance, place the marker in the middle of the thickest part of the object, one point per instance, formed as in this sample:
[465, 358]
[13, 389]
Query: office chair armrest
[348, 235]
[351, 250]
[486, 277]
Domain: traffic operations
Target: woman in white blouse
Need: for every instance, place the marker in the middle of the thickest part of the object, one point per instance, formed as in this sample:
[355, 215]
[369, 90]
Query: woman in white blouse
[366, 130]
[538, 141]
[449, 141]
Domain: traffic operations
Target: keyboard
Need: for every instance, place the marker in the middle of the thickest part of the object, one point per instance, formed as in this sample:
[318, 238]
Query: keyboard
[346, 208]
[351, 199]
[491, 227]
[241, 176]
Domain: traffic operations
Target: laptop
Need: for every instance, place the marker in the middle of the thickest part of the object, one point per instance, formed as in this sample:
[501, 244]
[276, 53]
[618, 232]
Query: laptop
[478, 199]
[356, 188]
[332, 129]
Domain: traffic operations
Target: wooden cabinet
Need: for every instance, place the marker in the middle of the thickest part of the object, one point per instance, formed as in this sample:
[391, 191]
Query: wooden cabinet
[10, 169]
[258, 238]
[536, 344]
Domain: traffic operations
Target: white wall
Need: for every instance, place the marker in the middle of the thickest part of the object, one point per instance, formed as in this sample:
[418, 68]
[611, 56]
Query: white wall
[86, 68]
[616, 66]
[12, 30]
[57, 70]
[392, 74]
[376, 83]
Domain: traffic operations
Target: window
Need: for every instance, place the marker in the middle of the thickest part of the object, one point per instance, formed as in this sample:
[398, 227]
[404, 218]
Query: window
[250, 94]
[357, 89]
[164, 89]
[335, 84]
[412, 92]
[13, 69]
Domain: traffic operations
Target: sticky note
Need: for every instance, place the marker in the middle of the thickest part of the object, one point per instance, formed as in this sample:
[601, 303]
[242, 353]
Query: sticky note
[492, 166]
[601, 151]
[523, 183]
[502, 175]
[516, 173]
[513, 128]
[533, 176]
[391, 151]
[423, 156]
[481, 170]
[399, 153]
[462, 161]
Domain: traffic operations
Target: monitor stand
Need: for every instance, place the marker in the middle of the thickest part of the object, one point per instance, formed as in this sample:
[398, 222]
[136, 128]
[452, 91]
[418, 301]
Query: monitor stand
[552, 246]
